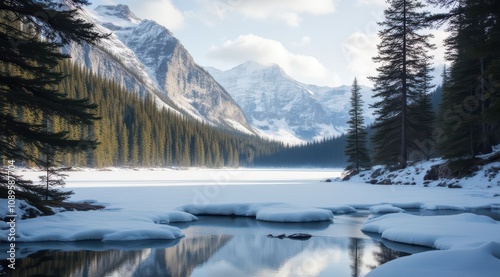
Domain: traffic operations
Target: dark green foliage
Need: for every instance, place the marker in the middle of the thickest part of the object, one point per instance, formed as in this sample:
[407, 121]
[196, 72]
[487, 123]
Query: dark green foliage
[358, 157]
[325, 153]
[403, 53]
[470, 115]
[133, 131]
[422, 119]
[29, 81]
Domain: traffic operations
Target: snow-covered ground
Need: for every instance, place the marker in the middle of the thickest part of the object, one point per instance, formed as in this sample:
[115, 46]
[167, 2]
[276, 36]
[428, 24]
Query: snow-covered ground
[137, 200]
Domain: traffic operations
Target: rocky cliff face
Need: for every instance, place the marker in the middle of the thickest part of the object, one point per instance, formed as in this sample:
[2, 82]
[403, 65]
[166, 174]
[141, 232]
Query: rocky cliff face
[146, 58]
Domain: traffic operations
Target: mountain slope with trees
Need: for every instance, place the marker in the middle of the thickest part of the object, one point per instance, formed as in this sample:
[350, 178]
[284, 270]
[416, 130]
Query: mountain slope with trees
[133, 132]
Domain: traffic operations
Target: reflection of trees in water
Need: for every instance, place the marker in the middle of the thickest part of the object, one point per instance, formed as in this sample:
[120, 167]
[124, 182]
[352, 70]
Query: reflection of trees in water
[356, 250]
[383, 255]
[175, 261]
[183, 258]
[75, 263]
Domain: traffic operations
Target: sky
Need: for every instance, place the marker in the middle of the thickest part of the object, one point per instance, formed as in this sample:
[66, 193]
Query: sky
[320, 42]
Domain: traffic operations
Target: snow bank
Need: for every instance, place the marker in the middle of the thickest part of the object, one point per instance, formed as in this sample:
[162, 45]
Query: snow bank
[488, 176]
[481, 261]
[99, 225]
[277, 212]
[471, 243]
[440, 232]
[385, 208]
[290, 213]
[22, 209]
[341, 209]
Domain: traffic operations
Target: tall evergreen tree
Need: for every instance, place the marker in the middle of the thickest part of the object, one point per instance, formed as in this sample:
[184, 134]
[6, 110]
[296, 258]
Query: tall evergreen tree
[357, 154]
[422, 118]
[470, 120]
[400, 53]
[28, 78]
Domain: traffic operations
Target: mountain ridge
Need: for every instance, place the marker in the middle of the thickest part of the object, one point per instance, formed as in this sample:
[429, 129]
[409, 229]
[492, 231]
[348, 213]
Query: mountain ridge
[147, 59]
[282, 108]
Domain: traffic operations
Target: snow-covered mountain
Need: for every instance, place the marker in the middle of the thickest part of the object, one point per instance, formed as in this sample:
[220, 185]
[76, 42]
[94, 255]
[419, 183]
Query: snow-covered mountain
[282, 108]
[146, 58]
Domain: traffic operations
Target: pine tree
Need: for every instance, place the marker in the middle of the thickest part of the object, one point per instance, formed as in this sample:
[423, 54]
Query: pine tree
[422, 118]
[53, 177]
[470, 120]
[29, 81]
[401, 49]
[357, 154]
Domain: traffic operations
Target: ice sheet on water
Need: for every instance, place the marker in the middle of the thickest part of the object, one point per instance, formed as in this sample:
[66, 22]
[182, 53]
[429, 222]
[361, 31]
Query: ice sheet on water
[277, 212]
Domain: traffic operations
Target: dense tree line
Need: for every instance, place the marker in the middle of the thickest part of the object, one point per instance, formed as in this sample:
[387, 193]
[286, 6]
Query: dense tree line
[328, 152]
[467, 122]
[470, 112]
[134, 131]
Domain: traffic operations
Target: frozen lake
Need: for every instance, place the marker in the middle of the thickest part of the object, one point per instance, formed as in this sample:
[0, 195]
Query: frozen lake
[228, 246]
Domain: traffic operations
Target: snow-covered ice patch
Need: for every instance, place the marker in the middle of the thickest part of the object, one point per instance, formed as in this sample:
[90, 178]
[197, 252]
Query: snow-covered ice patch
[440, 232]
[434, 207]
[277, 212]
[100, 225]
[385, 208]
[173, 216]
[469, 245]
[291, 213]
[481, 261]
[341, 209]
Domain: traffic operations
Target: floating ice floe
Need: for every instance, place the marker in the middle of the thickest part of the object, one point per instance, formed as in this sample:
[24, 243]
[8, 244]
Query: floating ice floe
[469, 244]
[341, 209]
[277, 212]
[99, 225]
[385, 208]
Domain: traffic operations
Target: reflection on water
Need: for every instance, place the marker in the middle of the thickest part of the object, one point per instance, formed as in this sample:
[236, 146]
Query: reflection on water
[212, 255]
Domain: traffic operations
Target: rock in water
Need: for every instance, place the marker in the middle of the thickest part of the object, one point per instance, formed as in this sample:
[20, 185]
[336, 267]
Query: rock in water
[300, 236]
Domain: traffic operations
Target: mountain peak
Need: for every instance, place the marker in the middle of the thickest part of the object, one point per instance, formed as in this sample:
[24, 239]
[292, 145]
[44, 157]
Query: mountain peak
[119, 11]
[255, 67]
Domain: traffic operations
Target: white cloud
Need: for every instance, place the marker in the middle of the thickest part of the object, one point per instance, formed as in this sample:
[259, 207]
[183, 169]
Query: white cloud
[163, 12]
[303, 68]
[287, 11]
[371, 2]
[358, 50]
[305, 41]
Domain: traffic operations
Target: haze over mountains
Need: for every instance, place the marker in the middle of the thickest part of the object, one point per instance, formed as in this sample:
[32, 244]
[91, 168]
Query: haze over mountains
[147, 59]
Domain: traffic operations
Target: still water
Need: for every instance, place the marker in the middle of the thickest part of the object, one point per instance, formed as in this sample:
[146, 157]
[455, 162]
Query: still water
[221, 246]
